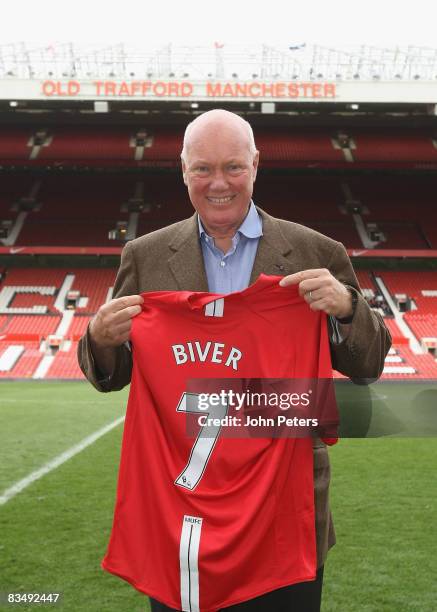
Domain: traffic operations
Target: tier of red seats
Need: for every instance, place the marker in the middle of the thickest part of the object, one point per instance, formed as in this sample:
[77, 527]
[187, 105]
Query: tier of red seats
[91, 207]
[28, 362]
[396, 335]
[92, 283]
[281, 144]
[365, 279]
[425, 365]
[393, 145]
[28, 300]
[3, 322]
[422, 325]
[65, 364]
[92, 143]
[402, 235]
[297, 145]
[41, 325]
[13, 143]
[78, 327]
[412, 284]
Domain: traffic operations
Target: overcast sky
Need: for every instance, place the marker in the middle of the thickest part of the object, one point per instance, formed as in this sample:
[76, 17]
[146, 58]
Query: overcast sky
[148, 22]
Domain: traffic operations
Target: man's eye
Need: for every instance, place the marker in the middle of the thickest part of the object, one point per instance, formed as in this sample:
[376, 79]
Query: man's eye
[201, 169]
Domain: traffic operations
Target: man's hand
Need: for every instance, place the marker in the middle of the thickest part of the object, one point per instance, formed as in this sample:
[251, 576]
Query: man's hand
[110, 327]
[321, 291]
[112, 323]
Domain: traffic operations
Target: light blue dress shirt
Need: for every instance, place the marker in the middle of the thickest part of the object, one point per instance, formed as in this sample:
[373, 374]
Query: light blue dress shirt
[228, 272]
[231, 271]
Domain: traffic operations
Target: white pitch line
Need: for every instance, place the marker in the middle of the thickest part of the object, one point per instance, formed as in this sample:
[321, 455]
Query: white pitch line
[56, 462]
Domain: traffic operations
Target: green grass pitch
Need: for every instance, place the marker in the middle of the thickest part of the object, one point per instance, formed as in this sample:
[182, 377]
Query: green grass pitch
[384, 499]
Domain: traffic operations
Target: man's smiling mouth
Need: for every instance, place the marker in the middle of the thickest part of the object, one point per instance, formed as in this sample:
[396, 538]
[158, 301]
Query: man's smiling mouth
[219, 200]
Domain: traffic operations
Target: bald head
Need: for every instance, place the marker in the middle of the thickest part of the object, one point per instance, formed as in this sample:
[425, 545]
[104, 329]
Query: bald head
[219, 166]
[215, 122]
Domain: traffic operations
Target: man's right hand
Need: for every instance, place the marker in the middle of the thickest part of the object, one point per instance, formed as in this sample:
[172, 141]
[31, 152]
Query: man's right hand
[112, 323]
[110, 327]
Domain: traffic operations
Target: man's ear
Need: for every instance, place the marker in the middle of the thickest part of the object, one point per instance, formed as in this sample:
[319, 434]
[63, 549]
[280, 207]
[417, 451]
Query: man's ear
[255, 165]
[184, 171]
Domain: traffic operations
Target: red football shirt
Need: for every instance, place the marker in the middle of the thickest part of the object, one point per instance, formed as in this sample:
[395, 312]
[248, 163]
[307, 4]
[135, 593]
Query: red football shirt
[206, 523]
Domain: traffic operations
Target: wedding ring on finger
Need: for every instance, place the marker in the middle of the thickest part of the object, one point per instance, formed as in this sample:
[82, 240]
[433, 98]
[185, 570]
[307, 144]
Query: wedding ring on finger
[311, 296]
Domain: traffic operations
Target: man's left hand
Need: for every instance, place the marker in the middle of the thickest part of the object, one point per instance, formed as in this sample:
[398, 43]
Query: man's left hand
[321, 291]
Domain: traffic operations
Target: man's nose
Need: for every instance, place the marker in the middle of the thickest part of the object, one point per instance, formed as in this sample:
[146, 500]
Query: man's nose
[219, 181]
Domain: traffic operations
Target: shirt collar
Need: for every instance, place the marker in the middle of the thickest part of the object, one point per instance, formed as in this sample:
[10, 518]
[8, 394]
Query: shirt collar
[251, 226]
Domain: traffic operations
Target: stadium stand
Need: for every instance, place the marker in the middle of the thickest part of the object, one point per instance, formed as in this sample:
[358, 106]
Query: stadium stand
[315, 145]
[93, 284]
[78, 327]
[393, 146]
[365, 280]
[26, 365]
[297, 145]
[65, 364]
[419, 286]
[77, 144]
[93, 206]
[396, 334]
[99, 209]
[35, 325]
[14, 143]
[93, 287]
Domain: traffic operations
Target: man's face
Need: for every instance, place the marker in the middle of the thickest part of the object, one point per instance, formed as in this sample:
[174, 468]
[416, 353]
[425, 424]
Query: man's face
[219, 171]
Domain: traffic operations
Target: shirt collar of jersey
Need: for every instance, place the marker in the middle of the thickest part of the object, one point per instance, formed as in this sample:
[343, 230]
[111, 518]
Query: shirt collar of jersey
[197, 300]
[251, 226]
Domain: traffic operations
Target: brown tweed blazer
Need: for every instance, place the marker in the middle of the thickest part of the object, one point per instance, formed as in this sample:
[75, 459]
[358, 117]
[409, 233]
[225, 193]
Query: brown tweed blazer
[170, 259]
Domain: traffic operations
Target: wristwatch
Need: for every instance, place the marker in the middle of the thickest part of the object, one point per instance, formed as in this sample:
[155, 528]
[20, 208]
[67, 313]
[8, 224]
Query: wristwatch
[347, 320]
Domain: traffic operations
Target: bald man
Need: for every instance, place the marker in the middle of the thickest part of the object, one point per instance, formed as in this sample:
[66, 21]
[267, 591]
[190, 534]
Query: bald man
[222, 248]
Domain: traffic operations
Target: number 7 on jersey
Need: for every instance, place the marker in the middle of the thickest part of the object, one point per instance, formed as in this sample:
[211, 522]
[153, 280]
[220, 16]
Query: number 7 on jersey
[205, 442]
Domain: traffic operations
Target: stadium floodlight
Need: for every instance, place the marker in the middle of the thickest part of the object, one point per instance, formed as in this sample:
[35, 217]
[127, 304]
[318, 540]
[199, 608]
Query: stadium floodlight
[354, 106]
[194, 105]
[13, 103]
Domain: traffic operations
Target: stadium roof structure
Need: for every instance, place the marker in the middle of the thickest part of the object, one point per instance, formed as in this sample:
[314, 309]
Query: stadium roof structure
[298, 84]
[258, 72]
[218, 61]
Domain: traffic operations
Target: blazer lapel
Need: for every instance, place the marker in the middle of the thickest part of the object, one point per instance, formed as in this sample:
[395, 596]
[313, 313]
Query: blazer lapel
[273, 248]
[186, 262]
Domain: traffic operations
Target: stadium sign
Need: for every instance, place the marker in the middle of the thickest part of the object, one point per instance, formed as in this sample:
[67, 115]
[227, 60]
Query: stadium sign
[187, 89]
[221, 90]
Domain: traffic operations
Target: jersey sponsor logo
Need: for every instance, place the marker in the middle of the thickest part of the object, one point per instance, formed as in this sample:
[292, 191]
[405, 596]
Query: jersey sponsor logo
[214, 352]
